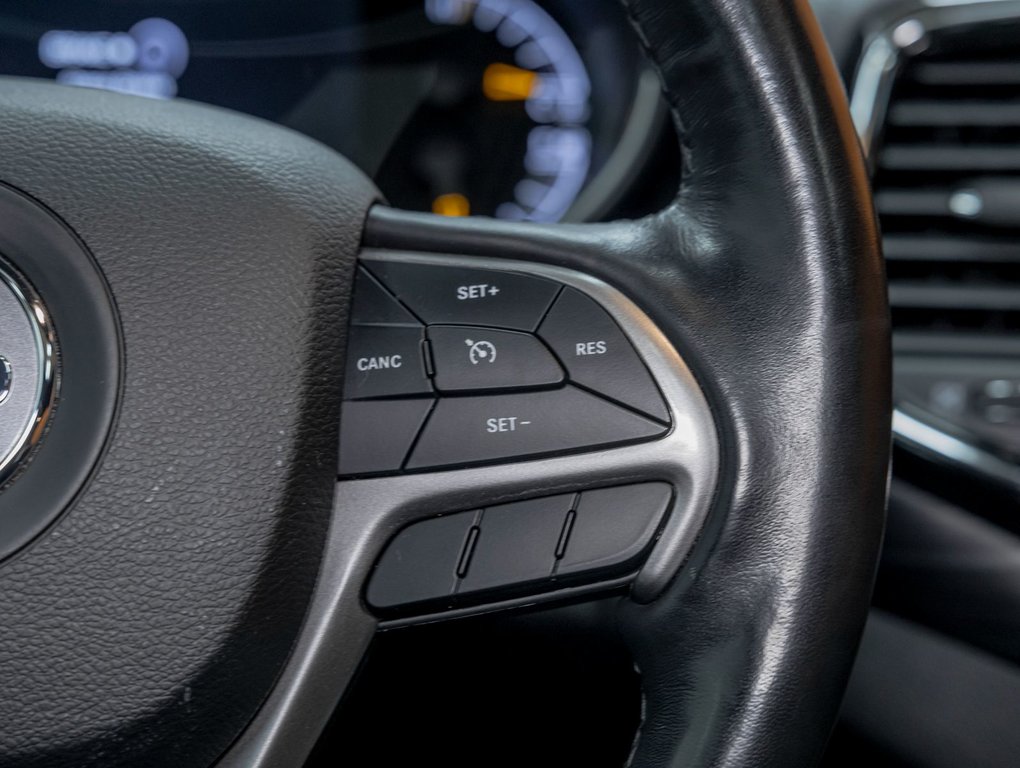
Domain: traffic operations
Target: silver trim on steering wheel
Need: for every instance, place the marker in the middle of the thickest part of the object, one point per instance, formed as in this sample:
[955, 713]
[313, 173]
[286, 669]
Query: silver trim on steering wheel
[27, 369]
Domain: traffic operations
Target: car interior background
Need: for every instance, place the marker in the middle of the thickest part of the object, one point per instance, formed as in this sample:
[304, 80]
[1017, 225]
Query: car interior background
[557, 116]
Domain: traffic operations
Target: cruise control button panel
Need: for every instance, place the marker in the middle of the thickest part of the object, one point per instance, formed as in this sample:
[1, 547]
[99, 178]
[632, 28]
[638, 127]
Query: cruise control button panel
[519, 549]
[499, 365]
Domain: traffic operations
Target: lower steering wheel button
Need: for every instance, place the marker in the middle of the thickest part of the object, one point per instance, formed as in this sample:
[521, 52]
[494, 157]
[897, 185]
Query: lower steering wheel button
[385, 361]
[375, 435]
[517, 543]
[471, 358]
[613, 527]
[421, 562]
[479, 429]
[598, 355]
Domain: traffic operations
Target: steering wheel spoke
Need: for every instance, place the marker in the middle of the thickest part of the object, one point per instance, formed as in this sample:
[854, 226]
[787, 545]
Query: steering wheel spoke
[507, 491]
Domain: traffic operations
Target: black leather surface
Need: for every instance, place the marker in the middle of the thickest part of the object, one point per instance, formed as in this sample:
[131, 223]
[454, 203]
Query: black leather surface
[147, 626]
[767, 275]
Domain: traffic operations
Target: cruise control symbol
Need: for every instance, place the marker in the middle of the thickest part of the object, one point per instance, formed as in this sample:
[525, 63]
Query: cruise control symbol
[481, 351]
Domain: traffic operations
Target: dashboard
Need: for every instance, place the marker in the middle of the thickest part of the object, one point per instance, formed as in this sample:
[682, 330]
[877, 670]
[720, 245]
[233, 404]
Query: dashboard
[504, 108]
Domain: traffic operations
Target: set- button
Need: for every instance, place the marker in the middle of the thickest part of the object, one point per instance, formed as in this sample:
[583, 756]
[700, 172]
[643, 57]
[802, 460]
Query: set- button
[489, 428]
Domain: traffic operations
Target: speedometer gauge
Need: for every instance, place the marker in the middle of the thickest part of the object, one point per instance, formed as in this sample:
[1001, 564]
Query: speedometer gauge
[538, 110]
[504, 129]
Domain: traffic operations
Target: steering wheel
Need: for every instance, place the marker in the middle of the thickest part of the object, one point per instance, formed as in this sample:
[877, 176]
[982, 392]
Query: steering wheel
[187, 583]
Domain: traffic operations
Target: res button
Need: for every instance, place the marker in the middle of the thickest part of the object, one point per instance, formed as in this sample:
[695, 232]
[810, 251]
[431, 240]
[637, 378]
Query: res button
[598, 355]
[454, 295]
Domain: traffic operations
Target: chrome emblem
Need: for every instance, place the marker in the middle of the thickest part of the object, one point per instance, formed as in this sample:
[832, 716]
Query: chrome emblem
[26, 370]
[5, 378]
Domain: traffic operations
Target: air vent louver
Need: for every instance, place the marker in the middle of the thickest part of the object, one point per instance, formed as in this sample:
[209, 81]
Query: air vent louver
[947, 188]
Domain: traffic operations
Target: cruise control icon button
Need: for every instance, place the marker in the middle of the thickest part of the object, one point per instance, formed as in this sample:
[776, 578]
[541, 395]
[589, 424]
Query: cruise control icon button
[448, 295]
[467, 430]
[468, 358]
[383, 362]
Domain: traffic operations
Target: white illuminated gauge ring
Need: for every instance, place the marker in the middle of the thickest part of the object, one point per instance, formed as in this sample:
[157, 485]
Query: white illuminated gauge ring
[147, 60]
[558, 156]
[27, 359]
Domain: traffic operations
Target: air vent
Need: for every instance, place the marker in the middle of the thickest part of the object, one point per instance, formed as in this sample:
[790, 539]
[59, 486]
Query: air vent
[945, 150]
[947, 182]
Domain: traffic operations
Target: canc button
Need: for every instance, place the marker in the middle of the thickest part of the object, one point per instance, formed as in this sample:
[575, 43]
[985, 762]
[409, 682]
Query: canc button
[469, 358]
[463, 430]
[385, 361]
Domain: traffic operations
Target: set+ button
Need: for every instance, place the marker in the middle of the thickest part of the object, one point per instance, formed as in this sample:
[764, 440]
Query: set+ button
[456, 296]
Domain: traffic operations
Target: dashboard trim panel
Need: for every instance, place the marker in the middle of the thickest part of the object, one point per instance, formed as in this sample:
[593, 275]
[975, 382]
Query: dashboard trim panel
[881, 58]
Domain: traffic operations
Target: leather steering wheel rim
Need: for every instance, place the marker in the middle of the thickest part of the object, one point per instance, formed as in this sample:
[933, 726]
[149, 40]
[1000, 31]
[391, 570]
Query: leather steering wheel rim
[175, 612]
[766, 272]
